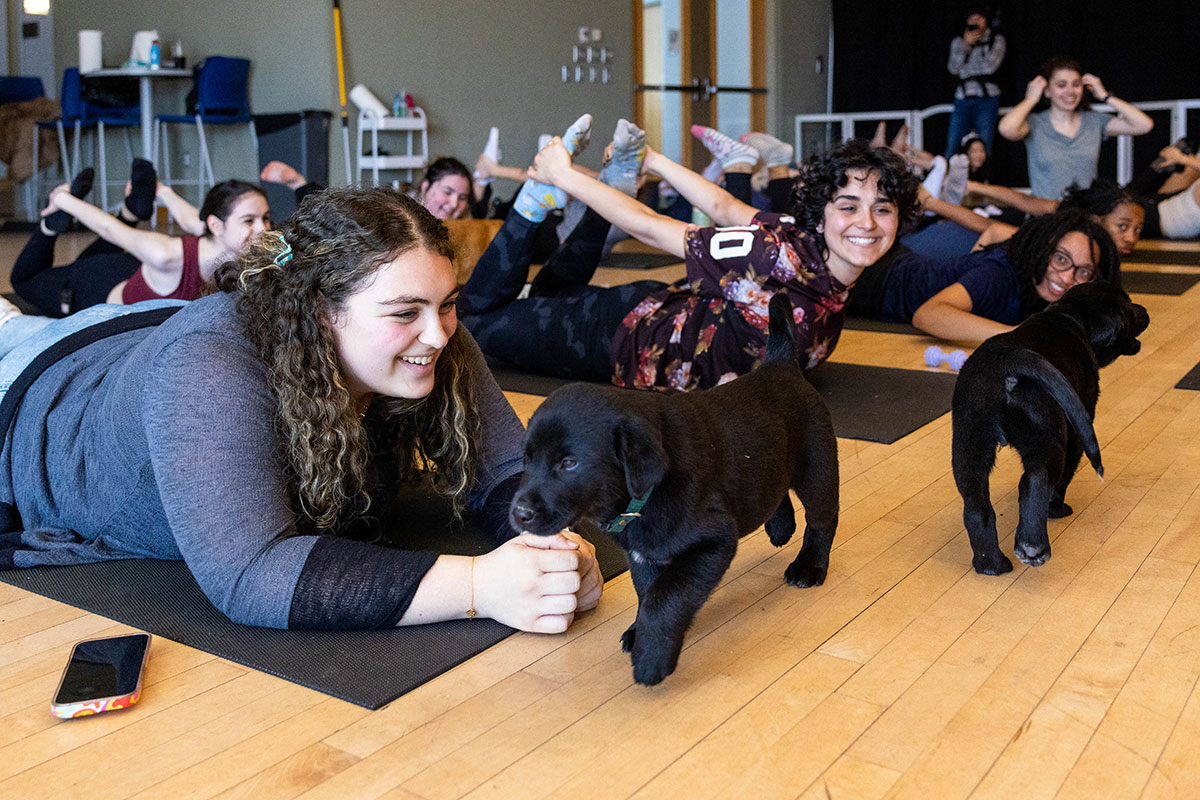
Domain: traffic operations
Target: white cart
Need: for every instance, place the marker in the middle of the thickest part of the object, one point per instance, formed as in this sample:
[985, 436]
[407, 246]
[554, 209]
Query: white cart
[413, 158]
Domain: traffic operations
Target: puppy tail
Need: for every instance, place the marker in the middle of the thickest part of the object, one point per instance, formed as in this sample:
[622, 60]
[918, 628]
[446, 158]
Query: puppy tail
[781, 328]
[1035, 367]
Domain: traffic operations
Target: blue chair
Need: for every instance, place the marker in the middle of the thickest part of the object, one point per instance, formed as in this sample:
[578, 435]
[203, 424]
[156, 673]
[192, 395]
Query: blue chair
[104, 117]
[222, 98]
[69, 99]
[15, 88]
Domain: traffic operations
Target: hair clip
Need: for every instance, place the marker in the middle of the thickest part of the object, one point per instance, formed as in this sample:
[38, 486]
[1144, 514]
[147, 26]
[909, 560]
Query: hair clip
[285, 256]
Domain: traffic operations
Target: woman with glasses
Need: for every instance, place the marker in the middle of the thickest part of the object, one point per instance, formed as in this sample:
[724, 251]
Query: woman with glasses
[970, 298]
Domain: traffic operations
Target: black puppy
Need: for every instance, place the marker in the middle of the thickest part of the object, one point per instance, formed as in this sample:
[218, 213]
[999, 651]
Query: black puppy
[677, 478]
[1036, 388]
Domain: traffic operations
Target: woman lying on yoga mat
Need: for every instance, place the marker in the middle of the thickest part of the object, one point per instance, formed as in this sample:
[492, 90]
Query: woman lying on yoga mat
[134, 264]
[1121, 213]
[710, 326]
[260, 433]
[972, 297]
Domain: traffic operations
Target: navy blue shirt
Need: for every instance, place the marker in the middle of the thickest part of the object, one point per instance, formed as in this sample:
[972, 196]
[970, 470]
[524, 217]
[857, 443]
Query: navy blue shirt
[988, 277]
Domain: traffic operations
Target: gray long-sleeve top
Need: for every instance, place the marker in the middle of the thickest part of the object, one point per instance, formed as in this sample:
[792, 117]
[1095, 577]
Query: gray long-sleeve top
[160, 443]
[971, 64]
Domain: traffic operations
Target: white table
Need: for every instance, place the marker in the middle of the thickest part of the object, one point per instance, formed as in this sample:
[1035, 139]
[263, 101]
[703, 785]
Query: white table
[146, 77]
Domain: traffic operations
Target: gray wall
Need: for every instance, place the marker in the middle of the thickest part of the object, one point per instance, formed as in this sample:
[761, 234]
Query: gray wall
[469, 64]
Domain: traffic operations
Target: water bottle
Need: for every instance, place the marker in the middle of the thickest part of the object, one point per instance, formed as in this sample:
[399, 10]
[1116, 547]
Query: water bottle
[155, 55]
[398, 105]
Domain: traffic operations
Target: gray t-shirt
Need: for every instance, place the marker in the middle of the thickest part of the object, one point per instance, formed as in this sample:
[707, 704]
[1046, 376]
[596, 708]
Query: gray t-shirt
[160, 443]
[1057, 161]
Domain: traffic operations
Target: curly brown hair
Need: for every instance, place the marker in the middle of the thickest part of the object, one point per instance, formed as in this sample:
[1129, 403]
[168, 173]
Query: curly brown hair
[338, 239]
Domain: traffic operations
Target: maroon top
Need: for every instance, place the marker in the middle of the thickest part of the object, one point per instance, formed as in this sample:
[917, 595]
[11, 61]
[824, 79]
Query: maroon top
[190, 282]
[711, 326]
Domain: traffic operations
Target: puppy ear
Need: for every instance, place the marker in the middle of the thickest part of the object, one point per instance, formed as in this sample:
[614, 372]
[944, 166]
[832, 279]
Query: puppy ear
[639, 450]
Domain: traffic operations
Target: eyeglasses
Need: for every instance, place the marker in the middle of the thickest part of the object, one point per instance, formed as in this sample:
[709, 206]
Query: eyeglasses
[1060, 261]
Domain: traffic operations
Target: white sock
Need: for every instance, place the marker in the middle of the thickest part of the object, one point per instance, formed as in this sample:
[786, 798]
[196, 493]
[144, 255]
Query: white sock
[492, 151]
[937, 173]
[774, 153]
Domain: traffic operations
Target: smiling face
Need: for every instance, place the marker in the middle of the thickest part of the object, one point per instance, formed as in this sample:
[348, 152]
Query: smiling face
[859, 225]
[446, 198]
[1072, 262]
[1124, 224]
[1064, 89]
[390, 332]
[249, 217]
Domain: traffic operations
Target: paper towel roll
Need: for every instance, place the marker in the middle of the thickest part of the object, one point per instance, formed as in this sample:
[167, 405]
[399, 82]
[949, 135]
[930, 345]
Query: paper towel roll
[139, 52]
[364, 99]
[90, 47]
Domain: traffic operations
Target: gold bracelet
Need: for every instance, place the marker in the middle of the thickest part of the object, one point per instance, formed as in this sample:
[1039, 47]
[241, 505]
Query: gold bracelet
[471, 607]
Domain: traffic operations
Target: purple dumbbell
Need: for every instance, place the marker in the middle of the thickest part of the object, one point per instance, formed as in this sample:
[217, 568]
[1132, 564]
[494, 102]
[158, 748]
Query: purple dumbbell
[935, 356]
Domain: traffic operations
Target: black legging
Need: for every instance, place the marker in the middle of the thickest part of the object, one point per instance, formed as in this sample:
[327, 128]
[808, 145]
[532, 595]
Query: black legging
[779, 190]
[59, 291]
[566, 326]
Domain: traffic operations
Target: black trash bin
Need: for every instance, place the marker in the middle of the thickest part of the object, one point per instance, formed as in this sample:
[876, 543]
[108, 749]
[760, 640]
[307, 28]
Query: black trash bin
[299, 138]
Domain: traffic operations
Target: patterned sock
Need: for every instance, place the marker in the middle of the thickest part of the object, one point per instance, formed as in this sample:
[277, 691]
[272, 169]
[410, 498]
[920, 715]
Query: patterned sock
[143, 185]
[628, 152]
[955, 185]
[775, 153]
[536, 199]
[60, 221]
[728, 151]
[492, 151]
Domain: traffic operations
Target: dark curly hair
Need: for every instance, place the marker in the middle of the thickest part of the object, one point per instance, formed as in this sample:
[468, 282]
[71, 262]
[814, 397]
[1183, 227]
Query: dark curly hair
[822, 175]
[1053, 65]
[339, 238]
[1030, 248]
[1099, 199]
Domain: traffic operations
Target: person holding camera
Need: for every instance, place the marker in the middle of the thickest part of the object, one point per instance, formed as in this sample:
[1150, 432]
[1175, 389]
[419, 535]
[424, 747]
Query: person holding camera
[974, 58]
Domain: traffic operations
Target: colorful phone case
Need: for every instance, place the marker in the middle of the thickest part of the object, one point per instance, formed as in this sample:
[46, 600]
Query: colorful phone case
[88, 707]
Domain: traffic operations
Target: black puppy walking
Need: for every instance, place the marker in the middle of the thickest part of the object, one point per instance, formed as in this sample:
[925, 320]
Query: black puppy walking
[677, 479]
[1036, 388]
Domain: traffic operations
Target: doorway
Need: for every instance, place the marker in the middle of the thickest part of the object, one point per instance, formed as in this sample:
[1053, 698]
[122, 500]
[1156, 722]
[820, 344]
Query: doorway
[698, 62]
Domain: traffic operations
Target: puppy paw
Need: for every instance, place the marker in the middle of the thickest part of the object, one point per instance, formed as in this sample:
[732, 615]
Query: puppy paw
[628, 638]
[780, 531]
[804, 575]
[651, 665]
[1032, 555]
[992, 564]
[1059, 509]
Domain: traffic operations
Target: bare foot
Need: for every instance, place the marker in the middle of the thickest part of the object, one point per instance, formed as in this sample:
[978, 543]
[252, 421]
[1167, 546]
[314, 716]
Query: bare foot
[279, 172]
[880, 137]
[900, 140]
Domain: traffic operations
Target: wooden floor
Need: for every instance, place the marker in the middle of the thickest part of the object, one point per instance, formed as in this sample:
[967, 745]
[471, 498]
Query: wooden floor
[905, 675]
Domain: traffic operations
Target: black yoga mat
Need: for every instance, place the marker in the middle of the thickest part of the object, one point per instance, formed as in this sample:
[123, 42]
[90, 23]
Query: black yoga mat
[1184, 258]
[874, 404]
[618, 260]
[1191, 380]
[882, 326]
[21, 303]
[1136, 282]
[367, 668]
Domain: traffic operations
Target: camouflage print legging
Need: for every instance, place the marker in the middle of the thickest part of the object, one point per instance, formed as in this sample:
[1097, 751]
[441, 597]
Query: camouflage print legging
[565, 327]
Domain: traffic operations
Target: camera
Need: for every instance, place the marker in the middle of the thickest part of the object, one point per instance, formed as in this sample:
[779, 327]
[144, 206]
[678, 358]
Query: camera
[974, 27]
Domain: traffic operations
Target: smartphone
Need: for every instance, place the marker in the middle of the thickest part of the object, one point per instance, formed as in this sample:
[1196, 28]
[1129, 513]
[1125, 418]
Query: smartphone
[102, 675]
